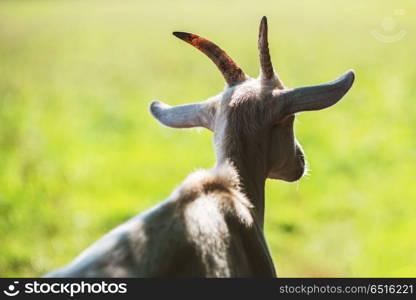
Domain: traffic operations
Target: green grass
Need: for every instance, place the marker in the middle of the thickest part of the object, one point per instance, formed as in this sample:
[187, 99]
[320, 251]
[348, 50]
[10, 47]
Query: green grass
[79, 152]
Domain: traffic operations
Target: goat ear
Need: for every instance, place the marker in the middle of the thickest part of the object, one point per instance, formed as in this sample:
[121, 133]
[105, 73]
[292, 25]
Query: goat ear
[318, 96]
[185, 116]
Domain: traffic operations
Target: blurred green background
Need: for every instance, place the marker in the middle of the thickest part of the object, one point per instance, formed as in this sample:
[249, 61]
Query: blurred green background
[80, 154]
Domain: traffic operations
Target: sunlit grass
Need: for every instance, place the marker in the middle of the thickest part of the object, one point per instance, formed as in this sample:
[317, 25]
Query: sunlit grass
[79, 152]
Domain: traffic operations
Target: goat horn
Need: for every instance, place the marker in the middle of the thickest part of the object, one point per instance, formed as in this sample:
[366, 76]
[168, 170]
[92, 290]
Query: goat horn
[267, 72]
[229, 69]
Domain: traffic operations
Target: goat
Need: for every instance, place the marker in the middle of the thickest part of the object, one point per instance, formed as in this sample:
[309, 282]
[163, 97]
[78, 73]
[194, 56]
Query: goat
[212, 224]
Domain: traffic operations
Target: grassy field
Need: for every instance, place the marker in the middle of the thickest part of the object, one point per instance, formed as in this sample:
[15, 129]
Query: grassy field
[80, 153]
